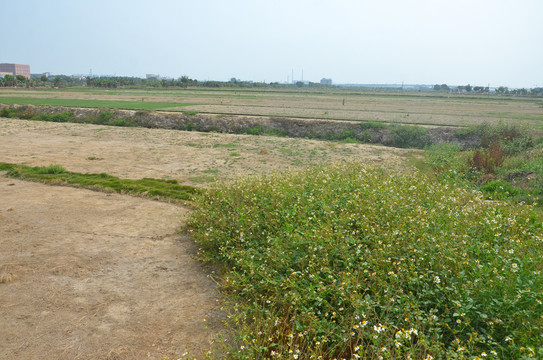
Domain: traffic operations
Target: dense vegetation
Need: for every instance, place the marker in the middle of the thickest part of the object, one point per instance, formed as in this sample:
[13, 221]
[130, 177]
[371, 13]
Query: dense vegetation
[507, 164]
[168, 190]
[351, 262]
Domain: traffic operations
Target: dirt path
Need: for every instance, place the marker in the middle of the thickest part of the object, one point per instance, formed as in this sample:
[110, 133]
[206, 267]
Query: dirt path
[97, 276]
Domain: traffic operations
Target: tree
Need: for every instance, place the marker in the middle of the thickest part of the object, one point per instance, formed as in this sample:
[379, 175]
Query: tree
[57, 82]
[442, 87]
[9, 80]
[468, 88]
[43, 78]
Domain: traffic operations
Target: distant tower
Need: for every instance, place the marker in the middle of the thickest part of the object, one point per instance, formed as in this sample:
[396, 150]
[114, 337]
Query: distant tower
[293, 76]
[302, 75]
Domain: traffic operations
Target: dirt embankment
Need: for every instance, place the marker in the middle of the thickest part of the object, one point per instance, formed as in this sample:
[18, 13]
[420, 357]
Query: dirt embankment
[237, 124]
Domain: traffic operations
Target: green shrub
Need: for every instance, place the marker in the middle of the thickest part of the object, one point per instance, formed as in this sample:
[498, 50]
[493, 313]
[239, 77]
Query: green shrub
[347, 261]
[499, 190]
[255, 130]
[260, 130]
[124, 122]
[350, 140]
[518, 145]
[443, 157]
[347, 134]
[67, 116]
[408, 136]
[190, 126]
[367, 136]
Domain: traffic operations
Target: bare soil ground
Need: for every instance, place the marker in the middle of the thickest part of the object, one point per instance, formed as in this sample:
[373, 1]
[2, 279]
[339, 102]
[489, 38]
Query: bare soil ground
[192, 158]
[90, 275]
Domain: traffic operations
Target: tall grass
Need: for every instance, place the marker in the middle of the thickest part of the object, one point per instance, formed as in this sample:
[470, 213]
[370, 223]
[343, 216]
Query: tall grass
[351, 262]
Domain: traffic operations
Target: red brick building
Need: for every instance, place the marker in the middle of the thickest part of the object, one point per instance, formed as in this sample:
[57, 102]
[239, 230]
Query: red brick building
[15, 69]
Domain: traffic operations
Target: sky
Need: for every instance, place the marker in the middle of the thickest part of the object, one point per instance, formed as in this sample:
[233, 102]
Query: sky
[455, 42]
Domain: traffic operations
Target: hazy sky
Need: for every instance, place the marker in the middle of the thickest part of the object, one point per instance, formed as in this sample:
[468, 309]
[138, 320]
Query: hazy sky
[496, 42]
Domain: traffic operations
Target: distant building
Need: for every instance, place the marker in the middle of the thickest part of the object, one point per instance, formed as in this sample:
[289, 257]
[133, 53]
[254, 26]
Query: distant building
[15, 69]
[325, 81]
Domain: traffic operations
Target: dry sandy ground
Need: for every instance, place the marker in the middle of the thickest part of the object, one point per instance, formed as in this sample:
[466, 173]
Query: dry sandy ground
[192, 158]
[89, 275]
[98, 276]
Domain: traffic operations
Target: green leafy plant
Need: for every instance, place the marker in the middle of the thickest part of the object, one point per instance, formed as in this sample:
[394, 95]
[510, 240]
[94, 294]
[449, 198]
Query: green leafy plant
[408, 136]
[351, 262]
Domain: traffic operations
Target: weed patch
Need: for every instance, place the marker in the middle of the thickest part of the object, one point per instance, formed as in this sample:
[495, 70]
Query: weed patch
[350, 262]
[410, 137]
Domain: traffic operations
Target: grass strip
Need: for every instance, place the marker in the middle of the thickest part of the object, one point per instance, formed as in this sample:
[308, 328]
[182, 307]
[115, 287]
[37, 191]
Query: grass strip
[159, 189]
[136, 105]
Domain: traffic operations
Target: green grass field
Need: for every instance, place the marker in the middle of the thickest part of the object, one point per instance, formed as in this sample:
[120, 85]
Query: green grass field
[110, 104]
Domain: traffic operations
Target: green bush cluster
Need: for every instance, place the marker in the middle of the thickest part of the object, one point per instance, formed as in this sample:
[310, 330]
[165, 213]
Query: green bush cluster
[351, 262]
[507, 164]
[408, 136]
[260, 130]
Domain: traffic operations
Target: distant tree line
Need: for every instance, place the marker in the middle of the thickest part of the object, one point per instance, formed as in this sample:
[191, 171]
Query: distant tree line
[538, 91]
[184, 82]
[12, 81]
